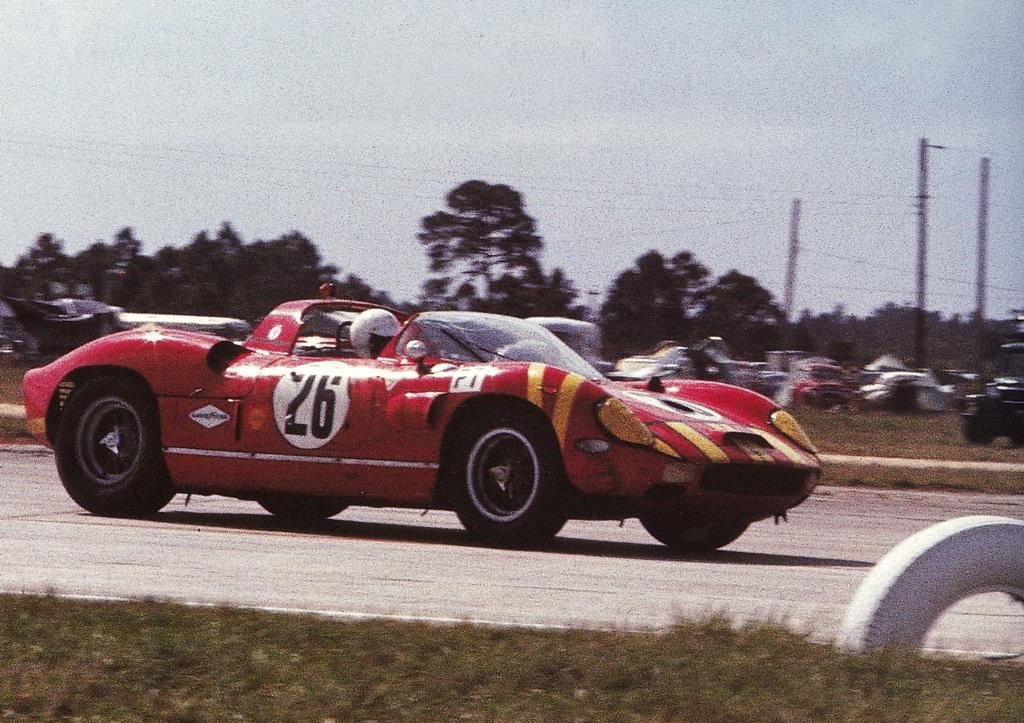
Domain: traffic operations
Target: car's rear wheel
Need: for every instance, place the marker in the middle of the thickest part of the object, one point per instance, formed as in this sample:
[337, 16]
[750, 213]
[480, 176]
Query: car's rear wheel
[108, 449]
[301, 508]
[508, 481]
[671, 529]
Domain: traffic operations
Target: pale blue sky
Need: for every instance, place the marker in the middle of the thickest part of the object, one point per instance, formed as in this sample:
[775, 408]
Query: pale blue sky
[626, 126]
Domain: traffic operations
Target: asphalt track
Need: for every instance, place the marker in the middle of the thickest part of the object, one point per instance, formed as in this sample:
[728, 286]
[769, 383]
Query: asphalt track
[402, 564]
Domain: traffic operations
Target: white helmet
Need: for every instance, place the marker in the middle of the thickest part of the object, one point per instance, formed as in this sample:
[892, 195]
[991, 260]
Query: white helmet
[371, 330]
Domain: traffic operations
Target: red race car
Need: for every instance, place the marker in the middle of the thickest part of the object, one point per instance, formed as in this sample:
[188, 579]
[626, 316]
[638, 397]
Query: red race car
[490, 416]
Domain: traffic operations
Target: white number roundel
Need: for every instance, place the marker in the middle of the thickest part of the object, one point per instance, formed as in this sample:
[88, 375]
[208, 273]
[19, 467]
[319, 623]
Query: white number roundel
[310, 405]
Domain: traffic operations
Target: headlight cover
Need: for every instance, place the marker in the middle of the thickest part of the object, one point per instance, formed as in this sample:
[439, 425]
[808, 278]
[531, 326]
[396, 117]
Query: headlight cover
[619, 421]
[787, 424]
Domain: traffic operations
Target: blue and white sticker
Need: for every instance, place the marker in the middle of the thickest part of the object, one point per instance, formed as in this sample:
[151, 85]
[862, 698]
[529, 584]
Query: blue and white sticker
[310, 404]
[209, 416]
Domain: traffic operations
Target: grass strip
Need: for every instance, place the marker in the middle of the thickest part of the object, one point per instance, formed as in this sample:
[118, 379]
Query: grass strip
[150, 661]
[935, 479]
[11, 376]
[885, 434]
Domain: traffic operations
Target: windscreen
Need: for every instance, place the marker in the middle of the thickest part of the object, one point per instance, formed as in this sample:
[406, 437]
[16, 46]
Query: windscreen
[465, 336]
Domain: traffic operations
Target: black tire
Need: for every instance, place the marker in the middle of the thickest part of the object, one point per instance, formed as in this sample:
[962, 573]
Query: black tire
[976, 429]
[108, 449]
[671, 529]
[301, 508]
[507, 480]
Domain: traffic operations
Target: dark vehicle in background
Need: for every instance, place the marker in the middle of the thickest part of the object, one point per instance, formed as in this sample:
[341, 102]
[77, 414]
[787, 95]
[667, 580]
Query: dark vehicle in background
[999, 411]
[60, 325]
[15, 341]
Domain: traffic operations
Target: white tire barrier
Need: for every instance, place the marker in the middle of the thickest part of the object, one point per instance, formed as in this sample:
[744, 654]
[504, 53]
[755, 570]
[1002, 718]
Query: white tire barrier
[921, 577]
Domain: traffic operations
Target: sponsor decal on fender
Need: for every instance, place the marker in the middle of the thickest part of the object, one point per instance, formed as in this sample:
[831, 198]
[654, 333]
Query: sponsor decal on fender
[209, 416]
[257, 419]
[469, 381]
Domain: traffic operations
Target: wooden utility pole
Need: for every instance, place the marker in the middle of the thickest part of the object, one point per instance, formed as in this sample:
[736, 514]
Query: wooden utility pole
[979, 313]
[794, 249]
[920, 355]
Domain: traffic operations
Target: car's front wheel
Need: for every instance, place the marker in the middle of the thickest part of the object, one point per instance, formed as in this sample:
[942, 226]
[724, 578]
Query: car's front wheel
[673, 530]
[108, 449]
[508, 481]
[301, 508]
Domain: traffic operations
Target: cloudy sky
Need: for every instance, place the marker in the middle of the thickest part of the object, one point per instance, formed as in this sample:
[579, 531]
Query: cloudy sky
[626, 126]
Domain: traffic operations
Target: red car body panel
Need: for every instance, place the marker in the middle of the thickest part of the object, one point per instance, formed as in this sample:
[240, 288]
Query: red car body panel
[260, 418]
[822, 385]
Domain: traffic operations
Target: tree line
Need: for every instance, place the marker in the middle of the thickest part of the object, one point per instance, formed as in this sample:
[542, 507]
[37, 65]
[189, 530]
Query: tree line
[483, 253]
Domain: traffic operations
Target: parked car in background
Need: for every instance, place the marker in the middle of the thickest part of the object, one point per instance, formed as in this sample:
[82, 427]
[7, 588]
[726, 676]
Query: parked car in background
[770, 383]
[583, 337]
[999, 411]
[822, 384]
[63, 324]
[907, 391]
[709, 360]
[15, 341]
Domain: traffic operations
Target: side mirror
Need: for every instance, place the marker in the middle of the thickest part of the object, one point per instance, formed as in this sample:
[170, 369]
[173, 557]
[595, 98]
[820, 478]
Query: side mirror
[416, 350]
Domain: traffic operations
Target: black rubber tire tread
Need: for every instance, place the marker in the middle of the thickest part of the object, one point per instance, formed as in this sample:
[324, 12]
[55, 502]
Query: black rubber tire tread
[298, 508]
[147, 489]
[546, 513]
[975, 430]
[674, 531]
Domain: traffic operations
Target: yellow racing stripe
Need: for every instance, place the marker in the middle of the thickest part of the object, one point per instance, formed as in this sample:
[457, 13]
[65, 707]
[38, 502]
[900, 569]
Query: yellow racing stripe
[665, 448]
[534, 378]
[791, 453]
[711, 450]
[563, 405]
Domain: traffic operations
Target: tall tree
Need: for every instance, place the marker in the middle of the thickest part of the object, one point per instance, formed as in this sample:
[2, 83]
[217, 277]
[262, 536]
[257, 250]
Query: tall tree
[94, 267]
[126, 245]
[655, 300]
[270, 272]
[43, 264]
[532, 293]
[485, 238]
[744, 313]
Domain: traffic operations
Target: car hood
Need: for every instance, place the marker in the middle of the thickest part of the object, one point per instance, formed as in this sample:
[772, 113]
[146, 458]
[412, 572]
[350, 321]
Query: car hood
[652, 406]
[737, 429]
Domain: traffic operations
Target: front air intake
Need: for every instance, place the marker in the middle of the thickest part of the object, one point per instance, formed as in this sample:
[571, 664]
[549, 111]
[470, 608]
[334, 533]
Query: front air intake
[755, 479]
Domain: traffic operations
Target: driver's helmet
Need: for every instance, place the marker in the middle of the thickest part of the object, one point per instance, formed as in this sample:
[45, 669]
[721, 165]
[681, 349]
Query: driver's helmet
[524, 350]
[372, 330]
